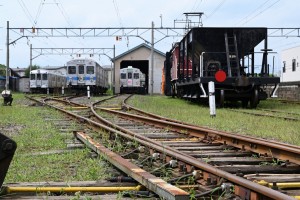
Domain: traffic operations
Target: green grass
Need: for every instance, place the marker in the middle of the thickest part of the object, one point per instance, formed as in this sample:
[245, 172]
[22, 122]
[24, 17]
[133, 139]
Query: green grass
[27, 126]
[226, 120]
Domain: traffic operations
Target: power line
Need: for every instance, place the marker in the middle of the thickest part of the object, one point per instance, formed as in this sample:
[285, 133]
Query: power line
[63, 12]
[260, 12]
[39, 12]
[215, 10]
[118, 12]
[257, 8]
[26, 11]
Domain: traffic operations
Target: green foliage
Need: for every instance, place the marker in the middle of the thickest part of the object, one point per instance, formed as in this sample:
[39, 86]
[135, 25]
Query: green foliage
[33, 67]
[109, 92]
[226, 119]
[32, 133]
[2, 70]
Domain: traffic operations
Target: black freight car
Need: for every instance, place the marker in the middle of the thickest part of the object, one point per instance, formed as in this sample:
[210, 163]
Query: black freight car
[225, 56]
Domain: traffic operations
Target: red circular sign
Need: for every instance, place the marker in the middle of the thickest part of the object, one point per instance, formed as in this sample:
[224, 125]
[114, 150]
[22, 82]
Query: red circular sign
[220, 76]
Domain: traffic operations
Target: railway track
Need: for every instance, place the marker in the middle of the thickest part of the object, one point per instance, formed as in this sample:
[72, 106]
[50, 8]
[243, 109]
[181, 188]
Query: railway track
[271, 113]
[202, 160]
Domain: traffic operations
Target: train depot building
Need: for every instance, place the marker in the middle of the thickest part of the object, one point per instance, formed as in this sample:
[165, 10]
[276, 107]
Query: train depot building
[290, 75]
[140, 57]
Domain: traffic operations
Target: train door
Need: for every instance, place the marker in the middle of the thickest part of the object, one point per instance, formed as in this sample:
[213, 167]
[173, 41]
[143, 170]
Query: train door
[90, 75]
[44, 80]
[38, 80]
[72, 75]
[32, 80]
[129, 78]
[123, 78]
[81, 77]
[136, 79]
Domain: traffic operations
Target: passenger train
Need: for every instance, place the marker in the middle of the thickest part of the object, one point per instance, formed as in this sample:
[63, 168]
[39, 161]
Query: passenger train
[86, 72]
[225, 56]
[132, 80]
[42, 80]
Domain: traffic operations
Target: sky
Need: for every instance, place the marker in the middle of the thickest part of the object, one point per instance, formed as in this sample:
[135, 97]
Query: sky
[132, 13]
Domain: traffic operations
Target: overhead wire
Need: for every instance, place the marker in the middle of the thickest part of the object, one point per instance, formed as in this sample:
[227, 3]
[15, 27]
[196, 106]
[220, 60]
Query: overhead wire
[26, 11]
[38, 12]
[215, 10]
[262, 11]
[118, 12]
[257, 8]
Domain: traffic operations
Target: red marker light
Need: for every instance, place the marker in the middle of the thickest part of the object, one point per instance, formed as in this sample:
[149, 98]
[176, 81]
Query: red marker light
[220, 76]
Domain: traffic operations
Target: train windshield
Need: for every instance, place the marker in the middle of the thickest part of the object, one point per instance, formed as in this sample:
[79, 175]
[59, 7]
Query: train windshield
[81, 69]
[32, 76]
[71, 70]
[38, 77]
[123, 76]
[90, 69]
[44, 77]
[136, 76]
[129, 75]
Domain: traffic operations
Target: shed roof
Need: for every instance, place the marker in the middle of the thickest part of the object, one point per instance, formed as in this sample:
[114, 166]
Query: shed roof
[136, 48]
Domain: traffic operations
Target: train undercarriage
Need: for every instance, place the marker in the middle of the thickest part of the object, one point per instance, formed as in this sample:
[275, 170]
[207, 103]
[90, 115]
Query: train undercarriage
[249, 91]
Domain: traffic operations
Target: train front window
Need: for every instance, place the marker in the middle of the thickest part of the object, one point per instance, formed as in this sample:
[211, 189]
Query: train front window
[129, 75]
[32, 77]
[136, 76]
[123, 76]
[90, 70]
[44, 77]
[38, 77]
[81, 69]
[71, 70]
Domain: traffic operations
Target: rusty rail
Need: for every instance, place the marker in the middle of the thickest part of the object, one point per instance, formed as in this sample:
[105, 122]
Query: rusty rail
[267, 192]
[274, 149]
[151, 182]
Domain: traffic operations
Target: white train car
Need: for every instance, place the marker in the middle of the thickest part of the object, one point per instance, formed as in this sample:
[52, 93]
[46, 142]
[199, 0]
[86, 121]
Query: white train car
[42, 80]
[132, 80]
[86, 72]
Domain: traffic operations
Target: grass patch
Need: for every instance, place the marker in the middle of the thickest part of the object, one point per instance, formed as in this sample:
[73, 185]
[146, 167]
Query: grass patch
[27, 126]
[226, 120]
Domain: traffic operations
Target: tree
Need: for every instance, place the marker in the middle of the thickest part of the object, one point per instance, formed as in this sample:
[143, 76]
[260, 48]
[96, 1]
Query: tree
[2, 70]
[33, 67]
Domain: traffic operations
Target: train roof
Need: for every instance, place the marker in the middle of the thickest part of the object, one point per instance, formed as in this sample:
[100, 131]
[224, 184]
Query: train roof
[212, 38]
[44, 71]
[39, 71]
[125, 69]
[82, 60]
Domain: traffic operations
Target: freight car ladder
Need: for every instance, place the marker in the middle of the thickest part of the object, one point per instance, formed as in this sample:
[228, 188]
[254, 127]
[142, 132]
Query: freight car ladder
[232, 55]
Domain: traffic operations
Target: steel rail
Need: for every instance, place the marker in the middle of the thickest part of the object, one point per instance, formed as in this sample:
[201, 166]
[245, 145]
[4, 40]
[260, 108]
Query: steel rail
[189, 160]
[206, 167]
[129, 107]
[266, 115]
[252, 144]
[154, 184]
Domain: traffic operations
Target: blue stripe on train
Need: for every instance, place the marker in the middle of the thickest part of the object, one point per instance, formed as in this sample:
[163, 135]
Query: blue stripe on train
[87, 78]
[73, 78]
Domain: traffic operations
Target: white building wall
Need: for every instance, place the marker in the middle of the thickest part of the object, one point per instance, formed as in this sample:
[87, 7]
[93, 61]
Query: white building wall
[142, 53]
[287, 57]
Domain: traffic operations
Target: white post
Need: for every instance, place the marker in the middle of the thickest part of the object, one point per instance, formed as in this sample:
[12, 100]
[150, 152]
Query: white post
[212, 101]
[88, 92]
[63, 90]
[47, 91]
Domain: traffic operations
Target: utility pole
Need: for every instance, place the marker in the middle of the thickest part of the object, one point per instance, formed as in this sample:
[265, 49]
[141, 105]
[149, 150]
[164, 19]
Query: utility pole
[152, 59]
[7, 58]
[114, 75]
[30, 64]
